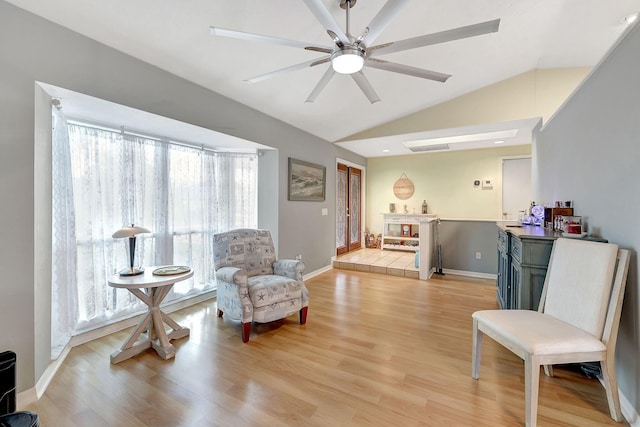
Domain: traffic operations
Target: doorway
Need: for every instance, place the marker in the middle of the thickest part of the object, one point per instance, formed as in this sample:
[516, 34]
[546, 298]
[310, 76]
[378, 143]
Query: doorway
[348, 209]
[516, 186]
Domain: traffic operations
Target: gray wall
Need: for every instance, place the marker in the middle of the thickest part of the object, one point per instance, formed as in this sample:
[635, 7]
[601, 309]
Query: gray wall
[589, 152]
[33, 49]
[460, 240]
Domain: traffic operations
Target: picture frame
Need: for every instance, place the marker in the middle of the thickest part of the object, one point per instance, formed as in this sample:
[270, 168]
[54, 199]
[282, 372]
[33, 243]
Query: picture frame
[307, 181]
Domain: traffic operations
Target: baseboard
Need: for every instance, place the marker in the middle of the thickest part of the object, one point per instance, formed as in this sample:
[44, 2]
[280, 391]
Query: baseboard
[33, 394]
[629, 411]
[318, 271]
[470, 274]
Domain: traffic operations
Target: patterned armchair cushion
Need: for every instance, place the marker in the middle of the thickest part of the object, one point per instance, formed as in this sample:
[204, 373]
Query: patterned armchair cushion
[248, 249]
[269, 289]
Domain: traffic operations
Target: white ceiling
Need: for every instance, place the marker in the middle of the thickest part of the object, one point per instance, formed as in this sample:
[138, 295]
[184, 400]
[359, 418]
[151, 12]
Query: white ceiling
[174, 36]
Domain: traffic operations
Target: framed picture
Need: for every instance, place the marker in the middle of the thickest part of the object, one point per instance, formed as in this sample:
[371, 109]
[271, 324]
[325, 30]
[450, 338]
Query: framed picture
[307, 181]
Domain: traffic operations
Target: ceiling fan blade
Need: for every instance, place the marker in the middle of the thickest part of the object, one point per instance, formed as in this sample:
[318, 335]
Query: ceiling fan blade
[436, 38]
[408, 70]
[284, 70]
[321, 85]
[319, 49]
[266, 39]
[365, 86]
[325, 18]
[382, 20]
[322, 60]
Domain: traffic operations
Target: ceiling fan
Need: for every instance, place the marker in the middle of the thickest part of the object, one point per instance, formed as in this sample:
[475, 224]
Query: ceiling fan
[350, 54]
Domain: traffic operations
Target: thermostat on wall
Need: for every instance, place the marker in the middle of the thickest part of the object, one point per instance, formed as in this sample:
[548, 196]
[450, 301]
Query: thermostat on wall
[487, 183]
[476, 183]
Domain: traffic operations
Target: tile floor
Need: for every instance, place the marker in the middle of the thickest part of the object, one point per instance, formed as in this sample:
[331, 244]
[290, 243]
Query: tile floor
[393, 263]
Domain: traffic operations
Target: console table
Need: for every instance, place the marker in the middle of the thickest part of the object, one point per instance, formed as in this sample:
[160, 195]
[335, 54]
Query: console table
[152, 290]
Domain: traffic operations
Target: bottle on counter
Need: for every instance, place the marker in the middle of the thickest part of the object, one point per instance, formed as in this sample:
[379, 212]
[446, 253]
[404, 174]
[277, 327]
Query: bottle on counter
[424, 207]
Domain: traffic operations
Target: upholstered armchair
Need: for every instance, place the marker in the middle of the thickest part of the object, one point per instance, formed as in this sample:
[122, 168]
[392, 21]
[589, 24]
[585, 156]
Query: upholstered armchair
[252, 285]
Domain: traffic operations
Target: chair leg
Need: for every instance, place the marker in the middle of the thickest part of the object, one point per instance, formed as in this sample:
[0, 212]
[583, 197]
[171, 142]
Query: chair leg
[531, 384]
[477, 350]
[303, 315]
[246, 331]
[611, 387]
[219, 313]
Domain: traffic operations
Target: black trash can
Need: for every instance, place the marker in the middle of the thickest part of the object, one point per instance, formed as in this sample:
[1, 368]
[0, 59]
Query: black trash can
[20, 419]
[8, 416]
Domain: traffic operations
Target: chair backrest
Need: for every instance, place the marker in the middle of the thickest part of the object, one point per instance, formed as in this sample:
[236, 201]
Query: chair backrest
[579, 283]
[248, 249]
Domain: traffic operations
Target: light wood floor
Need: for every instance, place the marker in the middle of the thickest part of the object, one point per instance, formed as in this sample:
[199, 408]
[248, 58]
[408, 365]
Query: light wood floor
[376, 351]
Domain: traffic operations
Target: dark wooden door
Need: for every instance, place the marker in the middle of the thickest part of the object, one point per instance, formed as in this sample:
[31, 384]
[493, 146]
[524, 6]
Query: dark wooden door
[348, 209]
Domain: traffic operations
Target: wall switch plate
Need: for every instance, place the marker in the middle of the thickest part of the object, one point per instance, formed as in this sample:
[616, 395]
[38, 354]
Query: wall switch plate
[478, 255]
[325, 211]
[487, 183]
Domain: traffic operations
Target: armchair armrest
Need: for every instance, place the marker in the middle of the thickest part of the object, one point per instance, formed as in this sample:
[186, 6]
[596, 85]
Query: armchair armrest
[233, 275]
[291, 268]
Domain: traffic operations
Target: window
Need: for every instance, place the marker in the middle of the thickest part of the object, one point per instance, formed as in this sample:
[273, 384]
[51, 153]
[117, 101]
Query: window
[182, 194]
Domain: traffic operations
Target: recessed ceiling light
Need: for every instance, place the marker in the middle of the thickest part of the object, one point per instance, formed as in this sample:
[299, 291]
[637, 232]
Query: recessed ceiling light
[386, 150]
[630, 18]
[498, 142]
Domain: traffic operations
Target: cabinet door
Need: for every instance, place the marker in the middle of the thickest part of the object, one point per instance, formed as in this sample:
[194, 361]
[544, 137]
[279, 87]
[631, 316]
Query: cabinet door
[515, 286]
[534, 279]
[502, 280]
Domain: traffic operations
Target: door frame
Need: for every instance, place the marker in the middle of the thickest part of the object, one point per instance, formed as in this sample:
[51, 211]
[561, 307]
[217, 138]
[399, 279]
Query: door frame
[501, 160]
[363, 201]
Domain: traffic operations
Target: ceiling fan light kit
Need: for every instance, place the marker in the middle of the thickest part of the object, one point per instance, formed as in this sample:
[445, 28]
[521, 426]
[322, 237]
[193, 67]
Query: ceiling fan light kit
[348, 60]
[349, 55]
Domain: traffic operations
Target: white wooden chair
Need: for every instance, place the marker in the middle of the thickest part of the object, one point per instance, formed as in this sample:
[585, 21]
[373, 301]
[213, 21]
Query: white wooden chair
[577, 320]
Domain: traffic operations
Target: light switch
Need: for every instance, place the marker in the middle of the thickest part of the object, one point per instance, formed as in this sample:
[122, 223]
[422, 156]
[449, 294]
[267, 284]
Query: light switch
[325, 211]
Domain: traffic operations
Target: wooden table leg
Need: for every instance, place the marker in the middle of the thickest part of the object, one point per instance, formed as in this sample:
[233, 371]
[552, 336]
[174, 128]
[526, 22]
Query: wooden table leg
[153, 323]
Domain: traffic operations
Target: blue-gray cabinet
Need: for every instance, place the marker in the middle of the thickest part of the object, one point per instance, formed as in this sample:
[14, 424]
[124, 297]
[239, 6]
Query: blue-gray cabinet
[523, 256]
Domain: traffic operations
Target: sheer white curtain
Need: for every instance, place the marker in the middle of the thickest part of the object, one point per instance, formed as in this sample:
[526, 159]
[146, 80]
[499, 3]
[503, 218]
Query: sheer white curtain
[64, 295]
[182, 194]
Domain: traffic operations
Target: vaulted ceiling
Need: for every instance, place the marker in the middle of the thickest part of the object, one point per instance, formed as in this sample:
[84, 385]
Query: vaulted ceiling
[175, 36]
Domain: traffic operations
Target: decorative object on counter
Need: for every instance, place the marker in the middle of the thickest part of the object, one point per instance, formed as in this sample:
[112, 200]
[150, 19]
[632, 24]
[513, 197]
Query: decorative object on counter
[403, 188]
[572, 224]
[551, 213]
[406, 209]
[392, 208]
[424, 207]
[537, 214]
[131, 233]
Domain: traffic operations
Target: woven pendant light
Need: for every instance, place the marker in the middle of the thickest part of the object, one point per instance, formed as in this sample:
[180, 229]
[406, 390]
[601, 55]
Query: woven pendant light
[403, 188]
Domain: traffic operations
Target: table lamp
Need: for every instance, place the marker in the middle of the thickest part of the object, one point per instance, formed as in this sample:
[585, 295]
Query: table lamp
[131, 233]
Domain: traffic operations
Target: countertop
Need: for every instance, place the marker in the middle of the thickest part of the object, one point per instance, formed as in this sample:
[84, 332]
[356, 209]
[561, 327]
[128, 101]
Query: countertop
[529, 231]
[537, 232]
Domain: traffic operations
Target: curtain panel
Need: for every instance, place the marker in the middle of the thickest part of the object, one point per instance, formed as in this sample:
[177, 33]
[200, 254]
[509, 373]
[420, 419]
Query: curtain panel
[110, 179]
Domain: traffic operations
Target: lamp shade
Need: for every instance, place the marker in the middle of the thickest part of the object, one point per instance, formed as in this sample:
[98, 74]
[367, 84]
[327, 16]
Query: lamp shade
[129, 232]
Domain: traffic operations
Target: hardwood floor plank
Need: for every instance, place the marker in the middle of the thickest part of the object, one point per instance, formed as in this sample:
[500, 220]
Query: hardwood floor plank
[376, 351]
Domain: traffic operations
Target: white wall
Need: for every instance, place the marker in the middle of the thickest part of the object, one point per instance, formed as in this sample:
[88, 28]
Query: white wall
[590, 152]
[33, 49]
